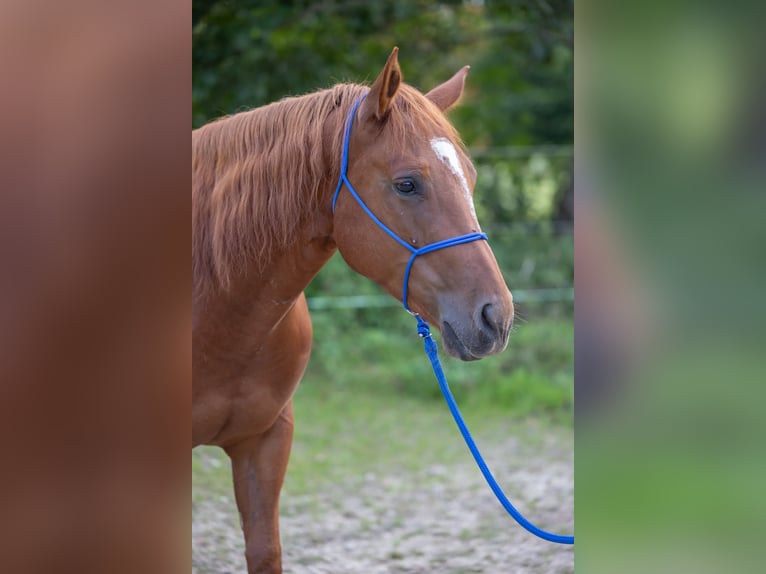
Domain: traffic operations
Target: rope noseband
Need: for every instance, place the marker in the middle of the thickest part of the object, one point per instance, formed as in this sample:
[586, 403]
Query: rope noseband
[429, 344]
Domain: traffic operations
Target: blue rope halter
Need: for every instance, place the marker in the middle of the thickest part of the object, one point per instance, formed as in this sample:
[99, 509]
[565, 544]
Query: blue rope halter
[429, 344]
[467, 238]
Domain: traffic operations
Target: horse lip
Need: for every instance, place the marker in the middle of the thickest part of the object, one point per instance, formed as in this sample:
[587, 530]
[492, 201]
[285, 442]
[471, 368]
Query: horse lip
[454, 346]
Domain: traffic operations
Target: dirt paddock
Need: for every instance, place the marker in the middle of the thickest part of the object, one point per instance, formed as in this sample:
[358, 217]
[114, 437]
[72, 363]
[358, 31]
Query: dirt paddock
[441, 519]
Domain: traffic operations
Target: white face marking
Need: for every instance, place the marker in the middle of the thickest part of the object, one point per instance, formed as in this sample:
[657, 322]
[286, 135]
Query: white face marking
[446, 152]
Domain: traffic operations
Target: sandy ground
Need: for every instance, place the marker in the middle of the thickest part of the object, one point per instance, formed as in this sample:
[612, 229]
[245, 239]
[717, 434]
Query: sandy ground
[443, 519]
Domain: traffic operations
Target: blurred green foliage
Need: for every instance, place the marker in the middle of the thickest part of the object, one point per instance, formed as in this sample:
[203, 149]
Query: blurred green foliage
[246, 54]
[378, 351]
[671, 470]
[516, 117]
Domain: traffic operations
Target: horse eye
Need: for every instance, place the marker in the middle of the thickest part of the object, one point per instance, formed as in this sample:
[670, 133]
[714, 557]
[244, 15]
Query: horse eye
[405, 186]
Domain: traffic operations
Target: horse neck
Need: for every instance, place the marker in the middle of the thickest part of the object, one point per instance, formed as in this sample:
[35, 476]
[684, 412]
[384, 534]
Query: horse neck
[259, 299]
[279, 278]
[291, 267]
[267, 290]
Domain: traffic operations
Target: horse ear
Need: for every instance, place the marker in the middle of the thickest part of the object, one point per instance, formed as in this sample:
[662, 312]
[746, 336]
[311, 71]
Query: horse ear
[447, 94]
[382, 92]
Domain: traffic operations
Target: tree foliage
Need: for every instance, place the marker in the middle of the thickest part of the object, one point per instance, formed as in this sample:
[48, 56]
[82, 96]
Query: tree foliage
[246, 54]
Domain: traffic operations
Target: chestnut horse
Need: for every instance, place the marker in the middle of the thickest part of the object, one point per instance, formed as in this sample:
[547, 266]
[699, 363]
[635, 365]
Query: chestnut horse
[263, 225]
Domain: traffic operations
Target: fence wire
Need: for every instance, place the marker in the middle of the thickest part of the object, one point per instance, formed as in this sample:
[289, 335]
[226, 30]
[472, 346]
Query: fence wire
[330, 302]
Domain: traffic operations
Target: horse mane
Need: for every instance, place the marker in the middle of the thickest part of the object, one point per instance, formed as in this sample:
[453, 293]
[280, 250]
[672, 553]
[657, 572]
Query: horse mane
[257, 175]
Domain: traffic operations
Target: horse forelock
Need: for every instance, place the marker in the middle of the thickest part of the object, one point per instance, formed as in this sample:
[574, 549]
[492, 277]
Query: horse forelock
[412, 114]
[257, 175]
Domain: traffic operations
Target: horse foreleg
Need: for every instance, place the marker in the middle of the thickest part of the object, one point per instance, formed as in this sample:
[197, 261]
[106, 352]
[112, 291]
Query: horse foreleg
[258, 468]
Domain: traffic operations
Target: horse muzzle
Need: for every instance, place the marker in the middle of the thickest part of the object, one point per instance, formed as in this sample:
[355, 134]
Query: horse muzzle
[485, 333]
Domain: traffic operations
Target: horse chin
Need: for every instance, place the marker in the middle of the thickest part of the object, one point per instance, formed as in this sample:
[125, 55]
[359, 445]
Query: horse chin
[454, 345]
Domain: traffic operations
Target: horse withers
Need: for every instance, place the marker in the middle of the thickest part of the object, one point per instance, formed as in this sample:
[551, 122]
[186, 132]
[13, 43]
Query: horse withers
[266, 218]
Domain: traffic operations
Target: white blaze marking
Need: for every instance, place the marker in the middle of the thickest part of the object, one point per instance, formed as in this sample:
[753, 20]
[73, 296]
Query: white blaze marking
[446, 152]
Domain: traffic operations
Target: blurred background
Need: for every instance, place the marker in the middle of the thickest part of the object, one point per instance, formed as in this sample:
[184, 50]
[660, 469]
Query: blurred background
[671, 206]
[517, 120]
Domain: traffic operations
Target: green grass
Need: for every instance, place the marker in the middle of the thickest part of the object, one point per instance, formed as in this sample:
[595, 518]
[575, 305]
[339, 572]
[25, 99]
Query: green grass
[369, 402]
[534, 376]
[343, 436]
[347, 433]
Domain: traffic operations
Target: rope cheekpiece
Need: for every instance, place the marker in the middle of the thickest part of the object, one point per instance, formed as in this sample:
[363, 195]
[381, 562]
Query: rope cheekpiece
[429, 344]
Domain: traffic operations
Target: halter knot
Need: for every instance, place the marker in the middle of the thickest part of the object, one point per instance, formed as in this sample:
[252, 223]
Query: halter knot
[424, 331]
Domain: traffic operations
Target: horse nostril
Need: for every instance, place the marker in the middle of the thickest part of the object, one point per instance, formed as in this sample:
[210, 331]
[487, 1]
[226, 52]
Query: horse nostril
[488, 316]
[494, 320]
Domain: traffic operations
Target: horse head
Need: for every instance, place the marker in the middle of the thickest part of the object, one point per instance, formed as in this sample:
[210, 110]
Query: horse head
[406, 164]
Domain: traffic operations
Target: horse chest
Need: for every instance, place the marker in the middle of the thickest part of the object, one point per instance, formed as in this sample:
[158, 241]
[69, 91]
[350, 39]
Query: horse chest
[239, 389]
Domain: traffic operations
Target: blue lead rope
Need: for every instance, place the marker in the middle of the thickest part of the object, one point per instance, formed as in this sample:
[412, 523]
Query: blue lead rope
[425, 332]
[433, 355]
